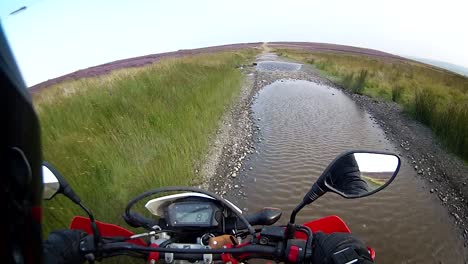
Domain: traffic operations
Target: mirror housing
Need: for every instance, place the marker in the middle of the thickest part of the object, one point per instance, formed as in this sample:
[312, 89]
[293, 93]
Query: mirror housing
[51, 183]
[356, 174]
[361, 173]
[353, 174]
[55, 183]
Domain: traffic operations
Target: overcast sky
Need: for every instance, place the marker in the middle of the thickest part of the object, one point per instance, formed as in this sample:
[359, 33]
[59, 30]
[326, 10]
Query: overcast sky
[371, 162]
[54, 37]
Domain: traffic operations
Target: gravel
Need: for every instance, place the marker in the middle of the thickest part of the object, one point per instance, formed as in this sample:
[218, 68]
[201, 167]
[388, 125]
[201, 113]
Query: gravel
[232, 143]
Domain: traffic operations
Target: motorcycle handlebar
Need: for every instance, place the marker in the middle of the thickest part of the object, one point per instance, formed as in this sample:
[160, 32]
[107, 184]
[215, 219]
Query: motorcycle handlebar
[289, 250]
[241, 250]
[292, 251]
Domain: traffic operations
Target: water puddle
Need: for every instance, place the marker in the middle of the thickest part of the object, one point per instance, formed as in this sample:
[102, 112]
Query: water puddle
[303, 127]
[278, 66]
[268, 57]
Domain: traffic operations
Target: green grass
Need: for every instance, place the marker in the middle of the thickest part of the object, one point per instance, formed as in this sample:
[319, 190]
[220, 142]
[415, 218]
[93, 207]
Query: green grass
[397, 92]
[355, 84]
[373, 183]
[435, 97]
[115, 136]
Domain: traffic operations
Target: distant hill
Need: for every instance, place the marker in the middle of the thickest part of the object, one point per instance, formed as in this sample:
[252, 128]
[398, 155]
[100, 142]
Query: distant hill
[327, 47]
[311, 46]
[136, 62]
[445, 65]
[152, 58]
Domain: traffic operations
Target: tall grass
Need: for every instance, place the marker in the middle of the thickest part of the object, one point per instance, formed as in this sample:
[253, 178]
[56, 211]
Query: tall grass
[425, 104]
[449, 120]
[435, 97]
[397, 92]
[348, 80]
[115, 136]
[451, 123]
[360, 82]
[355, 84]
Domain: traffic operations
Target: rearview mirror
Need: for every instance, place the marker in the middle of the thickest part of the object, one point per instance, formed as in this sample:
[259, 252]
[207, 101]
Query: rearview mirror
[358, 174]
[353, 174]
[51, 183]
[54, 183]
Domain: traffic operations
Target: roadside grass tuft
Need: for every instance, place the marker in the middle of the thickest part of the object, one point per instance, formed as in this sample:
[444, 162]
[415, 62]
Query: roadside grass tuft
[397, 91]
[115, 136]
[435, 97]
[360, 82]
[425, 104]
[355, 84]
[452, 123]
[347, 80]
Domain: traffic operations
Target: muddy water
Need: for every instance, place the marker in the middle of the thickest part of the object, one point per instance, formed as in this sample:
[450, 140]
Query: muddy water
[303, 126]
[278, 66]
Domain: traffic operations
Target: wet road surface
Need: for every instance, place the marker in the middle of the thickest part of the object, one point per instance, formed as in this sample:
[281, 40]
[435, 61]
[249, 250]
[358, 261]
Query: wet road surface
[304, 125]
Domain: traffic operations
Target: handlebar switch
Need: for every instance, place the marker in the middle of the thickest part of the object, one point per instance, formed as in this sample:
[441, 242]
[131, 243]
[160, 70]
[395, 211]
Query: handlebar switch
[87, 245]
[87, 248]
[272, 234]
[295, 250]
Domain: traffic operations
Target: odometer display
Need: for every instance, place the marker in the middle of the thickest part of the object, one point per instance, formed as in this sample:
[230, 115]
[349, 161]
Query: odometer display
[191, 214]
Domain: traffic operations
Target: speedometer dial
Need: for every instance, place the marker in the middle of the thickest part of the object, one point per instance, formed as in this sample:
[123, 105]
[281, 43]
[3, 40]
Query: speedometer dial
[190, 214]
[197, 216]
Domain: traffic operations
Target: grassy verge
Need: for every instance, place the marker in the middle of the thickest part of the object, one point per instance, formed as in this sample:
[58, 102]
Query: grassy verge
[435, 97]
[118, 135]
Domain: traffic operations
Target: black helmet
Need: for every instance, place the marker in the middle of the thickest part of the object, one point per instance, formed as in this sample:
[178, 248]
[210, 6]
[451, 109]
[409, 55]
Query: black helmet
[21, 183]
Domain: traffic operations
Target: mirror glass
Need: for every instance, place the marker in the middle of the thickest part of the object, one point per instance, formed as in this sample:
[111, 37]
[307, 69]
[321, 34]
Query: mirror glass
[358, 174]
[51, 183]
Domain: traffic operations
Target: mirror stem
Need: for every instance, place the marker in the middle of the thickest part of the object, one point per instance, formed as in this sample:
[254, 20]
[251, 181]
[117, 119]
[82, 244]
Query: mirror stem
[313, 194]
[291, 229]
[96, 233]
[295, 211]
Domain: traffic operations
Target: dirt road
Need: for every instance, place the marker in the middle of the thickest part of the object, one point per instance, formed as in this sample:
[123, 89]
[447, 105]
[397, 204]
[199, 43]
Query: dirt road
[414, 142]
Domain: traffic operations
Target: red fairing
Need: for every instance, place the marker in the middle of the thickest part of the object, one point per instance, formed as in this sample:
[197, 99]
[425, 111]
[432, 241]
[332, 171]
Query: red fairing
[108, 230]
[328, 225]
